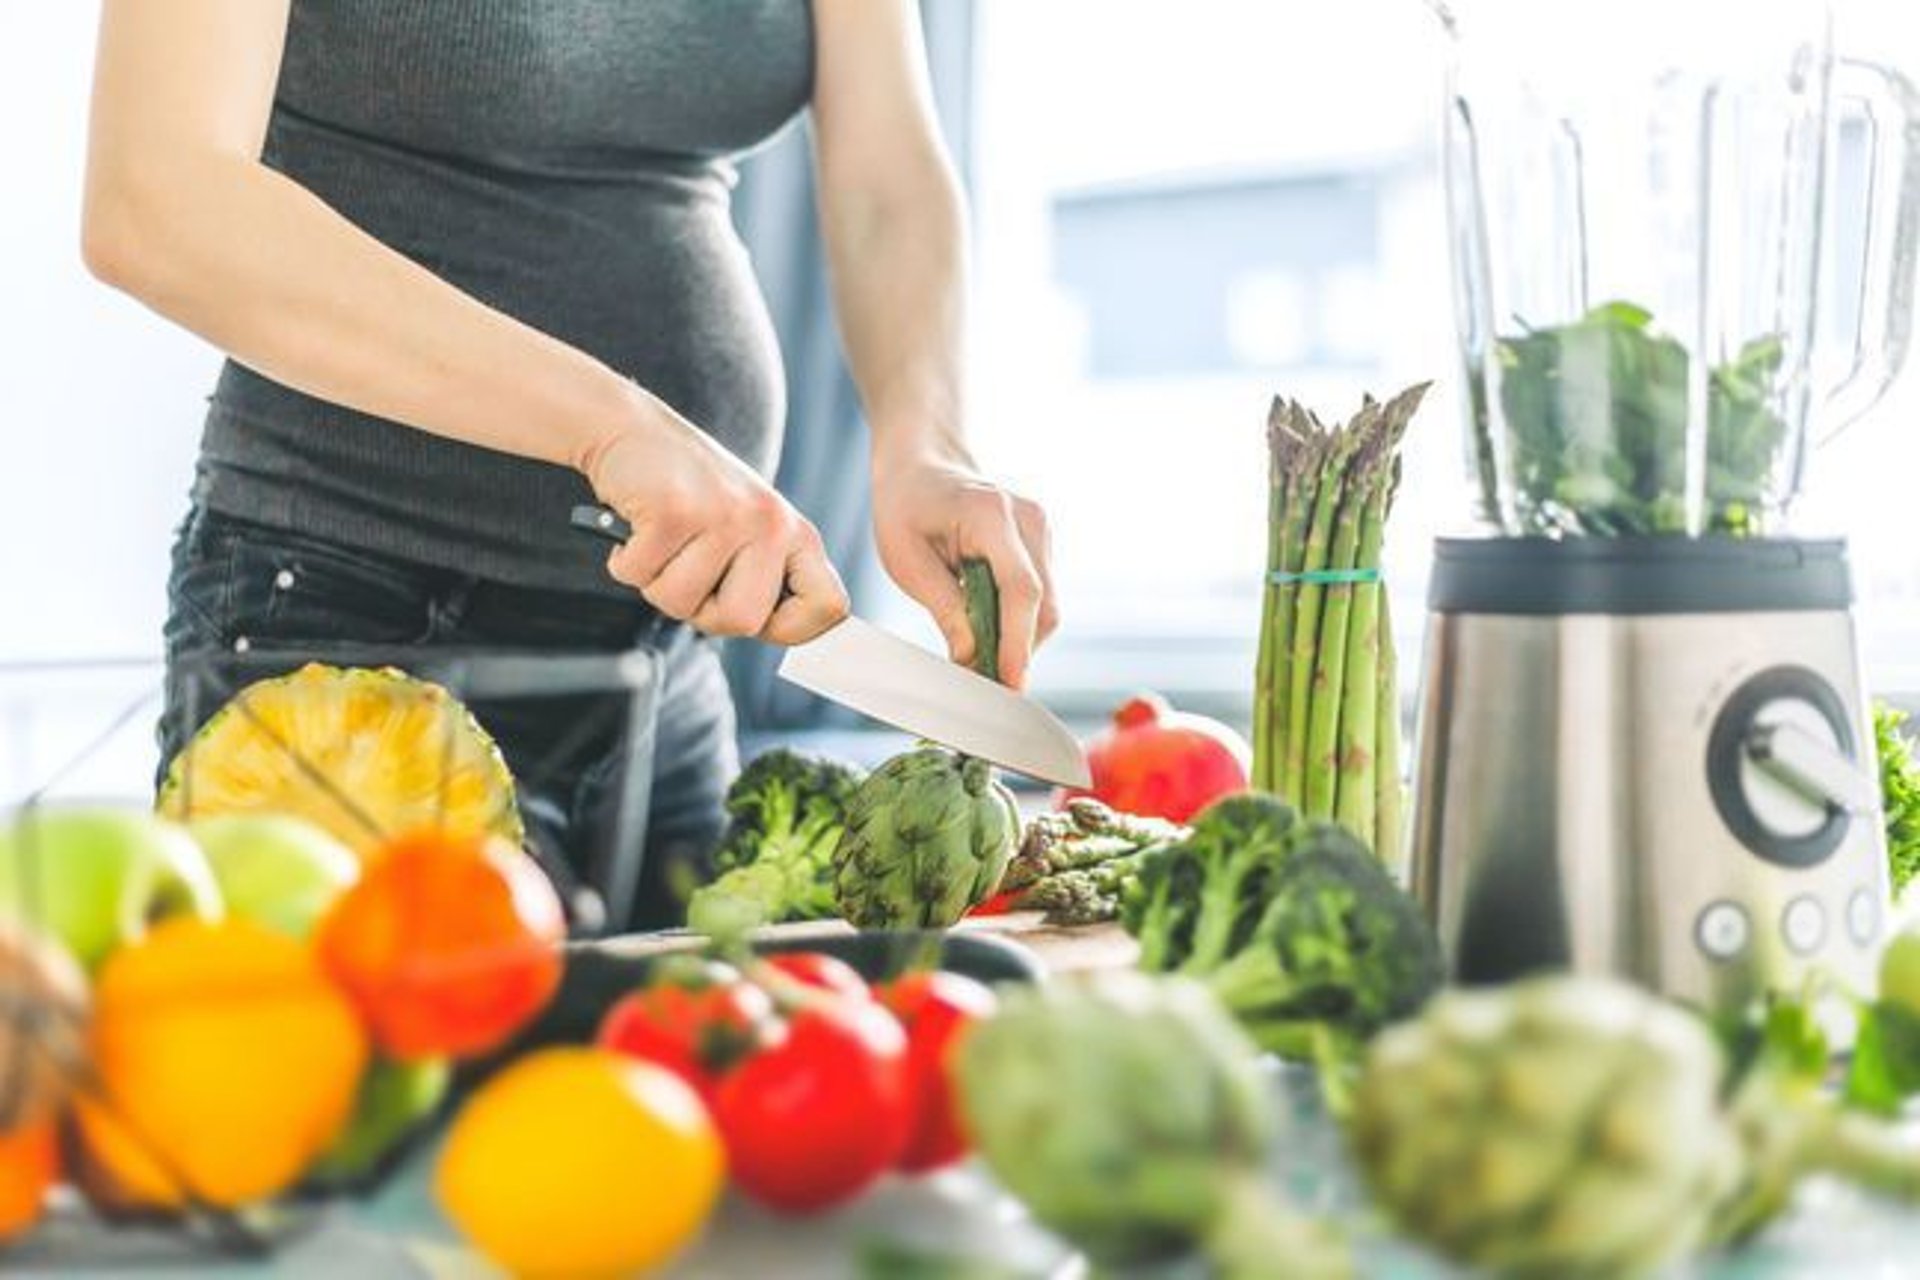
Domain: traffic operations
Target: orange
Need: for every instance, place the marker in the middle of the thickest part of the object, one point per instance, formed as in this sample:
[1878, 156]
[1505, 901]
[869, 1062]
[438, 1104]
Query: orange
[29, 1166]
[449, 944]
[224, 1061]
[577, 1162]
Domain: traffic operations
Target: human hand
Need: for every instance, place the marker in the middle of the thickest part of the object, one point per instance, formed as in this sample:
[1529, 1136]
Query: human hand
[713, 544]
[930, 511]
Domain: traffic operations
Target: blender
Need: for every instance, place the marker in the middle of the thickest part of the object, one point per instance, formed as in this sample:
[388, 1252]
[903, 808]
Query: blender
[1643, 739]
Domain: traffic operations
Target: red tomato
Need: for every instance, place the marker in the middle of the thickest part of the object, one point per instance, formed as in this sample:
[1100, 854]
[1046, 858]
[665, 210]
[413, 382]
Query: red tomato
[448, 944]
[936, 1009]
[817, 1116]
[814, 969]
[695, 1017]
[1164, 763]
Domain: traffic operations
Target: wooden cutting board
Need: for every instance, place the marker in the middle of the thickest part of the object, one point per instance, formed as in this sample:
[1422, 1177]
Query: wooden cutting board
[1061, 950]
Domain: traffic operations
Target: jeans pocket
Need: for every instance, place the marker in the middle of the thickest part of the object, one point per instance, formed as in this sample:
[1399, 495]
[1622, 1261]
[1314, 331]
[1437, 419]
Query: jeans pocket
[291, 592]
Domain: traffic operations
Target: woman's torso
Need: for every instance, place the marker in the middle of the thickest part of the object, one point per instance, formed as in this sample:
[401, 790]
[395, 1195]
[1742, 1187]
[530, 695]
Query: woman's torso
[566, 161]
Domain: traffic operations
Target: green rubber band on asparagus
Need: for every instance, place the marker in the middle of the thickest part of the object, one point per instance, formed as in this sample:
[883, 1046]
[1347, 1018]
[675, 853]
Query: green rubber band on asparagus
[1323, 577]
[983, 616]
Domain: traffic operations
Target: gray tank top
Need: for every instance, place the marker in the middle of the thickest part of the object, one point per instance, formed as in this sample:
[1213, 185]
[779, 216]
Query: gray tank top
[565, 161]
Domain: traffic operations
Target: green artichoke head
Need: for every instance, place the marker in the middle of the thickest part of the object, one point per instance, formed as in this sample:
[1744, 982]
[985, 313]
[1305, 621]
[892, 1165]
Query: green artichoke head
[928, 835]
[1563, 1127]
[1120, 1109]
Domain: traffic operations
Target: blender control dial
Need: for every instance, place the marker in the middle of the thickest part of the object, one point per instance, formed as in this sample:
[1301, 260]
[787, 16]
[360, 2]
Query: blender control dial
[1783, 769]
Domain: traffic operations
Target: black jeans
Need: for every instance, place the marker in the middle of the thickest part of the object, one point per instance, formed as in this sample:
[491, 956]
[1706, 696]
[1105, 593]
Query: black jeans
[245, 601]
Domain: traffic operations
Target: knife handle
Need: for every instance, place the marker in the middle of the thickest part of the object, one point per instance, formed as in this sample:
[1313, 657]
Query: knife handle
[601, 522]
[610, 525]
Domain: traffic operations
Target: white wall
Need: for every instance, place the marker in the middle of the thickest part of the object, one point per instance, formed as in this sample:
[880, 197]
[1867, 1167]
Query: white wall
[100, 401]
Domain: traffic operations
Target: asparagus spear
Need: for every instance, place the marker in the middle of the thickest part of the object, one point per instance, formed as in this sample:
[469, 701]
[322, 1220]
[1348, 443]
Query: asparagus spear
[1297, 444]
[1318, 796]
[1083, 834]
[1263, 668]
[1388, 799]
[1356, 746]
[1328, 490]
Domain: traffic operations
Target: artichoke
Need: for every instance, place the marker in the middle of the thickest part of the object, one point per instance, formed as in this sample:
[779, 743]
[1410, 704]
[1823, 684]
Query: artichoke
[928, 835]
[1133, 1117]
[1564, 1127]
[929, 832]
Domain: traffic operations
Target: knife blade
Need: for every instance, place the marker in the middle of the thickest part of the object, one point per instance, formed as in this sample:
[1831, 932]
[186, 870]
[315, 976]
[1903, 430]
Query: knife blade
[876, 673]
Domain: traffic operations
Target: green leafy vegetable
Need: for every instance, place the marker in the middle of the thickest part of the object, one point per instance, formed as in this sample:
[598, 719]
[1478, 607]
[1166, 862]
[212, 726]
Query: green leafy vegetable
[786, 811]
[1596, 414]
[1900, 793]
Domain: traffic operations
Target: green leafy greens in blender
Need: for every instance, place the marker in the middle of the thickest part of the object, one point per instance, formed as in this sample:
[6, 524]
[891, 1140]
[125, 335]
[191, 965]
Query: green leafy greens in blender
[1596, 412]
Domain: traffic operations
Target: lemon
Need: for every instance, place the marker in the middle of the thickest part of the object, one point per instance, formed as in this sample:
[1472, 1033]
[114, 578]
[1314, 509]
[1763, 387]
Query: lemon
[580, 1162]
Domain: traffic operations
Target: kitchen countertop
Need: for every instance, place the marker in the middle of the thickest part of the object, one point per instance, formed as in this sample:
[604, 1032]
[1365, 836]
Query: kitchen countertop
[1833, 1232]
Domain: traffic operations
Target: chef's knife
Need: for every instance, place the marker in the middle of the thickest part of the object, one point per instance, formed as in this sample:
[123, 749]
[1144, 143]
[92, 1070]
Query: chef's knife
[858, 665]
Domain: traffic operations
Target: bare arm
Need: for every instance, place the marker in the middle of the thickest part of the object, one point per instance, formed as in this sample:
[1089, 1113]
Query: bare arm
[896, 240]
[181, 213]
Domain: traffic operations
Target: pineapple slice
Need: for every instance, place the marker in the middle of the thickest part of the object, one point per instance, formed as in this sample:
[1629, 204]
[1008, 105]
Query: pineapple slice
[364, 753]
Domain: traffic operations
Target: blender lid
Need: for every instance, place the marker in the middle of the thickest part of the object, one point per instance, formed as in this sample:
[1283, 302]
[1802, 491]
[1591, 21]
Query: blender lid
[1651, 575]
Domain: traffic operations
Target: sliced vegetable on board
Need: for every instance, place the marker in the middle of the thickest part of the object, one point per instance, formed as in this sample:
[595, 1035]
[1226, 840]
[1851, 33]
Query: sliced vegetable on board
[1074, 864]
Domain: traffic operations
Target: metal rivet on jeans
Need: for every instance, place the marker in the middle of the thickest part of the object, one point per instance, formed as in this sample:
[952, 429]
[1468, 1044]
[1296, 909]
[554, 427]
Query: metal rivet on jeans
[283, 580]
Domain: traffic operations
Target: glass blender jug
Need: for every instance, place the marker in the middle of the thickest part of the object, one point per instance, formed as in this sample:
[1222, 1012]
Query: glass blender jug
[1638, 199]
[1643, 746]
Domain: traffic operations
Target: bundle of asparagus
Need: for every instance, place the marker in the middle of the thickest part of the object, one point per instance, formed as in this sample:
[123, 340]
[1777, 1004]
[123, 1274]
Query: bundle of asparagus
[1326, 710]
[1075, 864]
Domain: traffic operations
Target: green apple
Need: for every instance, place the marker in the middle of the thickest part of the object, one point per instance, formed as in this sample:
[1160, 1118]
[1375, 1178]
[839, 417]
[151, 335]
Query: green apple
[92, 877]
[276, 870]
[1900, 970]
[395, 1098]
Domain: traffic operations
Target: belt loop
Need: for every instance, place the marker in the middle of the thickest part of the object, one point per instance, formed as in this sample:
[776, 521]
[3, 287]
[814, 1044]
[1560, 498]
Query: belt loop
[446, 611]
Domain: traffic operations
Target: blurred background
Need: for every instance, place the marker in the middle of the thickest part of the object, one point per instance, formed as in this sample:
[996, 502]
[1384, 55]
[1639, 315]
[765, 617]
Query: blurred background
[1180, 210]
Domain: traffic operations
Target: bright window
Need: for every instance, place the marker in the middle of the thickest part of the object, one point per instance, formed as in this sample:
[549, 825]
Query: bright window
[1177, 219]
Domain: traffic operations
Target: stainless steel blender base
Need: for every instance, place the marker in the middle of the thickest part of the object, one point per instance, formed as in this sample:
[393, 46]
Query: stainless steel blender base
[1593, 792]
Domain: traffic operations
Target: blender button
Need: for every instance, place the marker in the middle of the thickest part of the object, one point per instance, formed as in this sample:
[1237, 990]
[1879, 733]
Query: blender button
[1805, 924]
[1722, 930]
[1863, 916]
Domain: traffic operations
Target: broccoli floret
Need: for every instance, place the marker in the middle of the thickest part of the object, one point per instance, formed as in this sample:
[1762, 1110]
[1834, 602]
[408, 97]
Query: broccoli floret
[1339, 948]
[1162, 905]
[785, 811]
[1242, 843]
[1296, 926]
